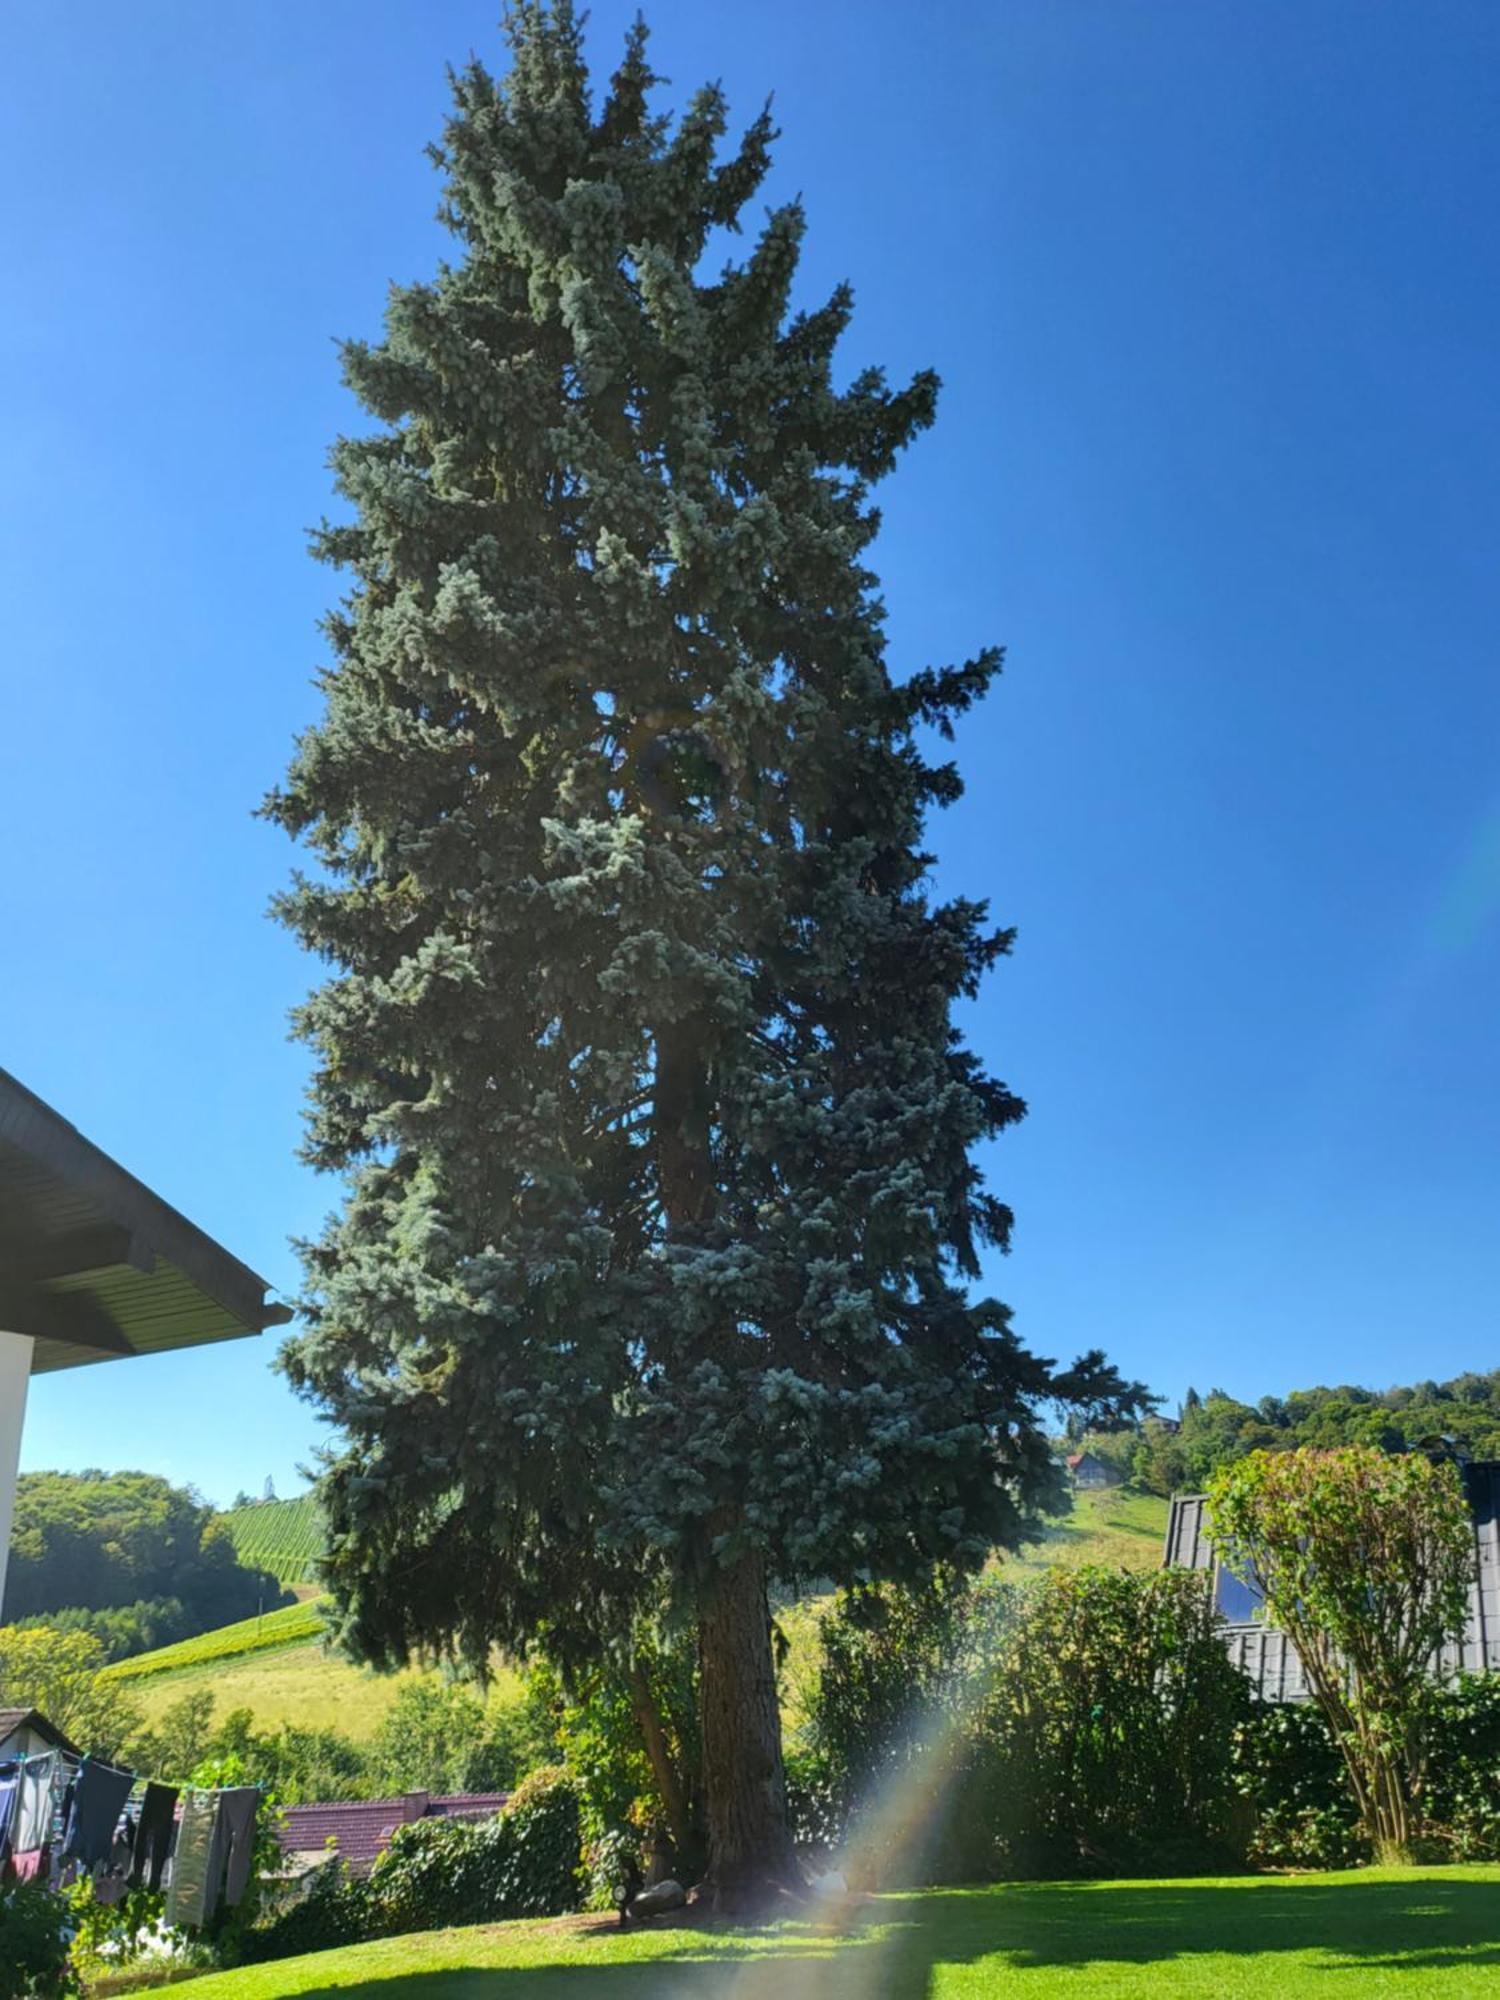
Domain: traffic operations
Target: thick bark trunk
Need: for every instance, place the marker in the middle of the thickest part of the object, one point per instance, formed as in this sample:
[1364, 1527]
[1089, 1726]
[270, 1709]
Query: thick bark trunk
[750, 1854]
[664, 1769]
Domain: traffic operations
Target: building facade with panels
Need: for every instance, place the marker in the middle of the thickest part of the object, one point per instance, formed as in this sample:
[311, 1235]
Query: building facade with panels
[1267, 1655]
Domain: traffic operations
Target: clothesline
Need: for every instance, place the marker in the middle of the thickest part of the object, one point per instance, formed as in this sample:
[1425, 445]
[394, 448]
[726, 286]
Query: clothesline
[63, 1816]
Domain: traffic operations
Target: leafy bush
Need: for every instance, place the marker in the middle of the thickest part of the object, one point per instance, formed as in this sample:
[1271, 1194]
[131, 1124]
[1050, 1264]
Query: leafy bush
[545, 1818]
[522, 1862]
[595, 1720]
[1083, 1724]
[34, 1962]
[1461, 1790]
[1303, 1814]
[443, 1871]
[338, 1909]
[1298, 1804]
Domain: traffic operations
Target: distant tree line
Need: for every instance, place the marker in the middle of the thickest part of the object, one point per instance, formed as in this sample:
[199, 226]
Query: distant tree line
[1166, 1455]
[128, 1558]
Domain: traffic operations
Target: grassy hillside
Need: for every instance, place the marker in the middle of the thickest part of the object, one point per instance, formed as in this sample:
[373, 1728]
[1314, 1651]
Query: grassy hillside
[272, 1632]
[1117, 1529]
[282, 1536]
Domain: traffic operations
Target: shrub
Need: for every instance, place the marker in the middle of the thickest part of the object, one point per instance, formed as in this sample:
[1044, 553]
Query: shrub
[338, 1909]
[1365, 1561]
[1106, 1731]
[1083, 1724]
[443, 1871]
[34, 1935]
[1298, 1806]
[545, 1817]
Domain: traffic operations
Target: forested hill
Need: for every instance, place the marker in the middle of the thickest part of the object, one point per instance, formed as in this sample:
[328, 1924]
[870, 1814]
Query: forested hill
[129, 1557]
[1216, 1428]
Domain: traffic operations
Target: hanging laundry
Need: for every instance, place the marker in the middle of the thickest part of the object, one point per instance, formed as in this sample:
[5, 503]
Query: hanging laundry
[234, 1834]
[31, 1824]
[98, 1801]
[188, 1893]
[10, 1785]
[153, 1835]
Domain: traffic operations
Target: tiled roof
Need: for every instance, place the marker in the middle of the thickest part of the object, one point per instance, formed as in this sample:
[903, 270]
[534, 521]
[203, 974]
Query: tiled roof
[360, 1828]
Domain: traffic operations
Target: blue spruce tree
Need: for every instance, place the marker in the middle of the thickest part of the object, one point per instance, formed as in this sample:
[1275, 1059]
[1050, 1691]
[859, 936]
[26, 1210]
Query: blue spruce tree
[637, 1053]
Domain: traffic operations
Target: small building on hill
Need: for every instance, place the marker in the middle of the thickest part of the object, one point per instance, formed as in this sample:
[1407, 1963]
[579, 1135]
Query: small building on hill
[25, 1732]
[1090, 1472]
[1264, 1651]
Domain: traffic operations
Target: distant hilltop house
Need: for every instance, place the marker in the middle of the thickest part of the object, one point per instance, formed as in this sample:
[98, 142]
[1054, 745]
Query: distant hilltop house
[1090, 1473]
[1265, 1653]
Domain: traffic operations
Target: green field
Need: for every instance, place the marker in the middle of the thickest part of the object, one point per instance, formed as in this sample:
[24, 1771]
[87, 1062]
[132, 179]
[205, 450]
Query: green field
[1423, 1934]
[283, 1536]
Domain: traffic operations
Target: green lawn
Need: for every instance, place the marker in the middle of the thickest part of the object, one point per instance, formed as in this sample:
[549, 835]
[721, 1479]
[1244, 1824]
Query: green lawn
[1424, 1932]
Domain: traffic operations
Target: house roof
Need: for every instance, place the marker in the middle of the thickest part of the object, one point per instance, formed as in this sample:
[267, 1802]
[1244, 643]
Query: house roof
[12, 1720]
[360, 1829]
[93, 1265]
[1265, 1653]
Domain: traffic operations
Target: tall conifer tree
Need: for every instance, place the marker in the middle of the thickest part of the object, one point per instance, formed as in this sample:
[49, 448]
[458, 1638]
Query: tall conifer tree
[637, 1054]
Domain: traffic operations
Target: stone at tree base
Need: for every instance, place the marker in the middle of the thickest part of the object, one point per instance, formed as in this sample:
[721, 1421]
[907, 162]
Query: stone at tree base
[667, 1895]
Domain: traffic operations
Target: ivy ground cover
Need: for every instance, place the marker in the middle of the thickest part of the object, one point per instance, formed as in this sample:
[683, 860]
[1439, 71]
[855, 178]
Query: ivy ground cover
[1414, 1933]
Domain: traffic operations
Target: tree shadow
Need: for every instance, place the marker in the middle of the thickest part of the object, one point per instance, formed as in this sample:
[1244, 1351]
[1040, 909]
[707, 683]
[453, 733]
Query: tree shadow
[1356, 1924]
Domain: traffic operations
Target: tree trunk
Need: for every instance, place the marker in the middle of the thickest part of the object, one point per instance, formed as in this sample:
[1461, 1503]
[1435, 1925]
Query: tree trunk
[664, 1769]
[751, 1859]
[750, 1853]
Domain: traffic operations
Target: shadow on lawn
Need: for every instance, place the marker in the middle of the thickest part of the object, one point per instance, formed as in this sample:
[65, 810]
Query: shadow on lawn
[1353, 1924]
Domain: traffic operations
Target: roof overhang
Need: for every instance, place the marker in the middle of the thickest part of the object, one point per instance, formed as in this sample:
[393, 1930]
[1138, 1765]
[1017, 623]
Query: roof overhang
[95, 1266]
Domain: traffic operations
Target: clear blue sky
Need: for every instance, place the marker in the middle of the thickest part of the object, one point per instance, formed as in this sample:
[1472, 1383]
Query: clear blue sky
[1213, 292]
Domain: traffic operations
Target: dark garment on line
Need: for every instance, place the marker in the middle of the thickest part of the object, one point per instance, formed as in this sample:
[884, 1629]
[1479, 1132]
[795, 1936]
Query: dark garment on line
[10, 1785]
[153, 1836]
[97, 1805]
[234, 1845]
[187, 1895]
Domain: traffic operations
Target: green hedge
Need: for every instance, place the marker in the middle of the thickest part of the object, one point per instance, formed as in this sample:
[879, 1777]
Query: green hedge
[523, 1862]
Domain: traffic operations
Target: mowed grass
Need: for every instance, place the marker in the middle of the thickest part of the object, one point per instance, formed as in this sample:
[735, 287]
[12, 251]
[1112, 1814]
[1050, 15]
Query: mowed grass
[1114, 1528]
[1414, 1933]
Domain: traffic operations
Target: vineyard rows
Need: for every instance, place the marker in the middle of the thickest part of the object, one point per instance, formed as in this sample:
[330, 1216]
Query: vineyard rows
[282, 1536]
[287, 1627]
